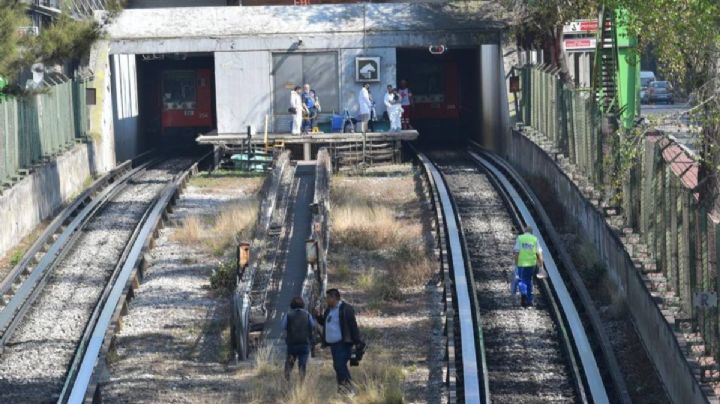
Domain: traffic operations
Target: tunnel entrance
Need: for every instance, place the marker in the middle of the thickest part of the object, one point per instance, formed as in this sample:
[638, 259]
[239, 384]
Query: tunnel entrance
[176, 99]
[446, 93]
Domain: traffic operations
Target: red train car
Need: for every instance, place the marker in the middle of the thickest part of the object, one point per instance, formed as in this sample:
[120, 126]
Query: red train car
[436, 90]
[187, 99]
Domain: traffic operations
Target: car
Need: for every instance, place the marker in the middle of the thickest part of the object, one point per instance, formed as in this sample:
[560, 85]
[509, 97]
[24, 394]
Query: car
[660, 91]
[646, 77]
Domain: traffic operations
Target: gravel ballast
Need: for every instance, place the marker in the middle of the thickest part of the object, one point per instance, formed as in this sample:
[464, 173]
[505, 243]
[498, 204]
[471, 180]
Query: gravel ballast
[173, 344]
[37, 356]
[524, 358]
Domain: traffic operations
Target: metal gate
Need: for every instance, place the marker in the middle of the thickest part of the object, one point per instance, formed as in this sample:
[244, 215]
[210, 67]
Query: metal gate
[319, 69]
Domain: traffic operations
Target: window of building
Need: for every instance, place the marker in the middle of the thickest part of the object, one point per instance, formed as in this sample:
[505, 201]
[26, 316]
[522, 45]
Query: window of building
[319, 69]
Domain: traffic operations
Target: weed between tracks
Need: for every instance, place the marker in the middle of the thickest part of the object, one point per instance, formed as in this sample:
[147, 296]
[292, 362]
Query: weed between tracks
[378, 381]
[218, 234]
[370, 219]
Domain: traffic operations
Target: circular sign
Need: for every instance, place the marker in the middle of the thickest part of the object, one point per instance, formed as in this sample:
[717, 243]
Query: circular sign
[437, 49]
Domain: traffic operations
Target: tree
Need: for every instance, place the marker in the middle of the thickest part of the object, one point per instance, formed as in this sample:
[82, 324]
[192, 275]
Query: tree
[685, 36]
[12, 16]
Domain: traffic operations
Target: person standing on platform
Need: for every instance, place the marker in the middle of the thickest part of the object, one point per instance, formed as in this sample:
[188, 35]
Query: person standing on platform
[406, 101]
[296, 110]
[310, 111]
[318, 108]
[298, 325]
[365, 105]
[528, 257]
[393, 107]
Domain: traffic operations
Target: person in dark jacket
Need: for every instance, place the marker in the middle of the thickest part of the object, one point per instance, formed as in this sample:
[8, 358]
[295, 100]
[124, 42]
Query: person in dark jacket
[340, 333]
[298, 325]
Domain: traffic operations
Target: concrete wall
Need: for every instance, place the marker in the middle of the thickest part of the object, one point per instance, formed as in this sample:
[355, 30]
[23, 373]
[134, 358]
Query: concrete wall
[655, 334]
[101, 114]
[243, 88]
[125, 106]
[349, 88]
[39, 195]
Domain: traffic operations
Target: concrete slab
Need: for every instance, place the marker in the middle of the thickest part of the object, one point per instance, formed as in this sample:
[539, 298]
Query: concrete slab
[209, 29]
[296, 263]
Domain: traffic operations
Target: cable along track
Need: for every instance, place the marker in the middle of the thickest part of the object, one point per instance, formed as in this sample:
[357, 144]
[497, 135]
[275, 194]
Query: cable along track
[532, 355]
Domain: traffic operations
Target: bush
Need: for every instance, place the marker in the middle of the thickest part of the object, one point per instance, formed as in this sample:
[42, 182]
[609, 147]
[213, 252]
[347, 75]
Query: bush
[223, 277]
[66, 39]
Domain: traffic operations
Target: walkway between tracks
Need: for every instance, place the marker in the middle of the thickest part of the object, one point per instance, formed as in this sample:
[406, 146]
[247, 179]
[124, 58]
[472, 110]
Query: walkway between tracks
[294, 268]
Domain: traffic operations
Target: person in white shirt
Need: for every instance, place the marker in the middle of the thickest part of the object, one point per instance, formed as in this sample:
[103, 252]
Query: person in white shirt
[296, 109]
[406, 101]
[393, 107]
[365, 104]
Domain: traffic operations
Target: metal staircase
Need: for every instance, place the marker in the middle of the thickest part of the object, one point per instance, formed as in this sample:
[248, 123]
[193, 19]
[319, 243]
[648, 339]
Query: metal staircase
[606, 66]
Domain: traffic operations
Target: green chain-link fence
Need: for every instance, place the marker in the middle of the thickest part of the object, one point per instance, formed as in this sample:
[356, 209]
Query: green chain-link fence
[679, 238]
[565, 115]
[38, 127]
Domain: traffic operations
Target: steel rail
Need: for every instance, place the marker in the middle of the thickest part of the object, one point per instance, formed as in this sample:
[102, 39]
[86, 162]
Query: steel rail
[82, 370]
[81, 211]
[580, 291]
[592, 377]
[472, 350]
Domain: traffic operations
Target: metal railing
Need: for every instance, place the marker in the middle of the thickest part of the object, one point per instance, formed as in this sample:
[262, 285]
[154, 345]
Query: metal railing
[38, 127]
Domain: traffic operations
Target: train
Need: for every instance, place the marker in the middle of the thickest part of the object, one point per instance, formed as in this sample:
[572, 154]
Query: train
[445, 92]
[177, 100]
[187, 99]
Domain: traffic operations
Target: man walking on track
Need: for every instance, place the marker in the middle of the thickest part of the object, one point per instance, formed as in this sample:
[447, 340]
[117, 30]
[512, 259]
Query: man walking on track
[528, 257]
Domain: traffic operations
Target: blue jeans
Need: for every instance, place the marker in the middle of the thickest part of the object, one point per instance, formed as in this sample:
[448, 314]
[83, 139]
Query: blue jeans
[525, 284]
[299, 352]
[309, 123]
[341, 355]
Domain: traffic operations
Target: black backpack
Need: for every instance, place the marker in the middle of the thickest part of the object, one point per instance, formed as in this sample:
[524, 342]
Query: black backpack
[299, 328]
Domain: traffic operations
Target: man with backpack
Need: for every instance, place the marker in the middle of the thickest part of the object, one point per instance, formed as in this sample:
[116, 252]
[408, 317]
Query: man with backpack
[298, 325]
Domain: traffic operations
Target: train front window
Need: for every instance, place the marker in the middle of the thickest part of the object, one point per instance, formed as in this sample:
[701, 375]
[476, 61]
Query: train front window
[427, 83]
[179, 90]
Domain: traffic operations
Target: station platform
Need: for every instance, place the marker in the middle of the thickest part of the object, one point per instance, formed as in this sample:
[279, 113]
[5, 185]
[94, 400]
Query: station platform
[213, 138]
[350, 145]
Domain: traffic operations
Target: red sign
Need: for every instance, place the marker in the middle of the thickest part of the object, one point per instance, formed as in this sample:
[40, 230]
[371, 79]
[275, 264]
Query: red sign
[579, 44]
[581, 27]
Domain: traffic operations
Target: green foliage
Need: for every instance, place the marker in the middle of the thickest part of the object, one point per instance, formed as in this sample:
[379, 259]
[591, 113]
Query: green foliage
[223, 277]
[12, 16]
[16, 256]
[65, 39]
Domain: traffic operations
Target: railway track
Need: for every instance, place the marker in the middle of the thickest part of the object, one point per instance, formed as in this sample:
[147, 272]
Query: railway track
[503, 353]
[61, 297]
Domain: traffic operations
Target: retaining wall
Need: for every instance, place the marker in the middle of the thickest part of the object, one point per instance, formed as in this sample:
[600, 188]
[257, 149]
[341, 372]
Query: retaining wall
[656, 334]
[41, 194]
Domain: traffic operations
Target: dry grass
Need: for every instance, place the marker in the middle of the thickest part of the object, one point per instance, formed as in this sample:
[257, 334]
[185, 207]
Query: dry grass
[221, 180]
[218, 233]
[376, 221]
[378, 380]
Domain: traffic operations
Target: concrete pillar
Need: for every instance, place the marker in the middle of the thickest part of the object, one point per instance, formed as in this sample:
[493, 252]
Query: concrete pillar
[491, 85]
[307, 155]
